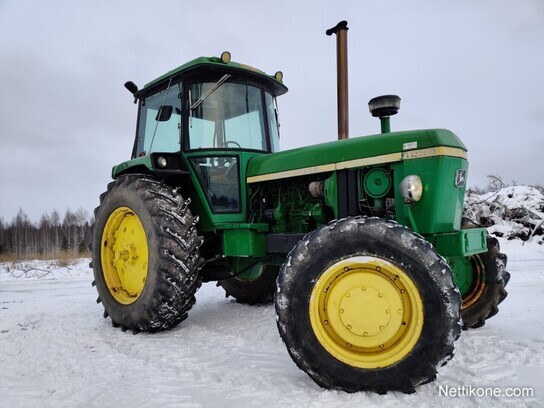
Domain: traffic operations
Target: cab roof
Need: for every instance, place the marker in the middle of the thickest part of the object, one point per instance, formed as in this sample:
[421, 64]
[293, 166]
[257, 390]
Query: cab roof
[216, 64]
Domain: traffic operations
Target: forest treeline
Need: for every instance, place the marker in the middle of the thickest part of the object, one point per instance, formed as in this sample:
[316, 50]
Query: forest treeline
[50, 236]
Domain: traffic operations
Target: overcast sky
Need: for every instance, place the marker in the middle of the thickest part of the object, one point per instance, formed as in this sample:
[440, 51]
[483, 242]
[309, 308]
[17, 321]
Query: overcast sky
[475, 67]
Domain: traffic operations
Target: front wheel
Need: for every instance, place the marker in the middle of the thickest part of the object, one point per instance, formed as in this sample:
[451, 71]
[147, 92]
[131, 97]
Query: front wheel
[259, 291]
[488, 290]
[366, 304]
[482, 279]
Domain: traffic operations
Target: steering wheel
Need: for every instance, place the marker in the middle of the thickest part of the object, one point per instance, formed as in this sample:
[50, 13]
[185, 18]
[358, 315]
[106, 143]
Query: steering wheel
[226, 143]
[225, 163]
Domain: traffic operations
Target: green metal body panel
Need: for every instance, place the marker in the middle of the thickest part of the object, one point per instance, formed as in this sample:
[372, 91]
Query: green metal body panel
[243, 240]
[441, 206]
[139, 162]
[466, 242]
[216, 63]
[351, 149]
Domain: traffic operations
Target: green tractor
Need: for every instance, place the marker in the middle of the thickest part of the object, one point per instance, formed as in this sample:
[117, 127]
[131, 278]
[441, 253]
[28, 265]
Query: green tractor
[360, 242]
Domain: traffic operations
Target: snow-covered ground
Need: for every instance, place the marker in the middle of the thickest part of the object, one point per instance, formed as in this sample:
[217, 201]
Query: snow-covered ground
[56, 350]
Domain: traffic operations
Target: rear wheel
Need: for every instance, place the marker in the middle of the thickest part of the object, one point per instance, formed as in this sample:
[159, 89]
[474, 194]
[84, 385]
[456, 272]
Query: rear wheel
[145, 255]
[365, 304]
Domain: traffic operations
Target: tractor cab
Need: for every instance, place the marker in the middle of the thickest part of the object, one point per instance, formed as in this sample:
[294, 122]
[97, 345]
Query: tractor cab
[207, 119]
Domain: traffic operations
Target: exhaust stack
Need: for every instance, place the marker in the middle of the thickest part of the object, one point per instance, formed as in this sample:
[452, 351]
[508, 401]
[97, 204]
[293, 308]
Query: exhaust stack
[341, 31]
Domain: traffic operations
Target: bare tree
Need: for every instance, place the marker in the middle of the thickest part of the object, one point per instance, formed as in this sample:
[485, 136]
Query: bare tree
[55, 224]
[22, 238]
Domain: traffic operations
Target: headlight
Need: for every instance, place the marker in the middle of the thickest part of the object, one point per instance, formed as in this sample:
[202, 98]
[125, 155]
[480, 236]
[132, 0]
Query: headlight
[162, 162]
[411, 188]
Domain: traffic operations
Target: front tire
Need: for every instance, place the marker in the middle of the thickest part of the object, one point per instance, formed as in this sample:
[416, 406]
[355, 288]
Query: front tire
[145, 254]
[489, 288]
[366, 304]
[258, 291]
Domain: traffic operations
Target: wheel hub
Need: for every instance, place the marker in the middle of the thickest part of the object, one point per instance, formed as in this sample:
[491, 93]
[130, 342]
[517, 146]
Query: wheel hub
[366, 311]
[124, 255]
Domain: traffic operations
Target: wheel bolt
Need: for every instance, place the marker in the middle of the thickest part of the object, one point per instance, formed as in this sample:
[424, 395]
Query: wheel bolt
[341, 310]
[380, 295]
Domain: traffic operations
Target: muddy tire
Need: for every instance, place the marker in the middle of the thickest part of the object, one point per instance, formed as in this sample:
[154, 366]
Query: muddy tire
[145, 255]
[366, 304]
[259, 291]
[488, 291]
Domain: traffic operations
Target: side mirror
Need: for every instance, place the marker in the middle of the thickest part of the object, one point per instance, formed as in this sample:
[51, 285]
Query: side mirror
[131, 86]
[165, 113]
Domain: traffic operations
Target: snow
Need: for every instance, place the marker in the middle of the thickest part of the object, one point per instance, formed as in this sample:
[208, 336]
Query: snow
[45, 270]
[56, 350]
[511, 212]
[517, 196]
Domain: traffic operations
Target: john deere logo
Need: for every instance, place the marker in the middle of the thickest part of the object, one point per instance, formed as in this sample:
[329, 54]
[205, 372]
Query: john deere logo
[460, 178]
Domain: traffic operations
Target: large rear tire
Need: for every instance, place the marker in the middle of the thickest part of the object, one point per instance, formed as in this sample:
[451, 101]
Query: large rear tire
[145, 254]
[366, 304]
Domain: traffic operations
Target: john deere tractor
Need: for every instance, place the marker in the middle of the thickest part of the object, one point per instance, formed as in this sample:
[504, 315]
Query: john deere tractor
[360, 242]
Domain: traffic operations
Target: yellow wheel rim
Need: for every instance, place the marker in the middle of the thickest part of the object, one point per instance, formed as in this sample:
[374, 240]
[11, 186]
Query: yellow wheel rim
[366, 312]
[124, 255]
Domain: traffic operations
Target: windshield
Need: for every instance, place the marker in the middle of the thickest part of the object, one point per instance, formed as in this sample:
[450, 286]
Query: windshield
[160, 122]
[231, 116]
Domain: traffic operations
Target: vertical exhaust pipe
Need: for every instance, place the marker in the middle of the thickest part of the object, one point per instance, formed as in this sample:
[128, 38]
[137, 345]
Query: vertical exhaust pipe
[341, 31]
